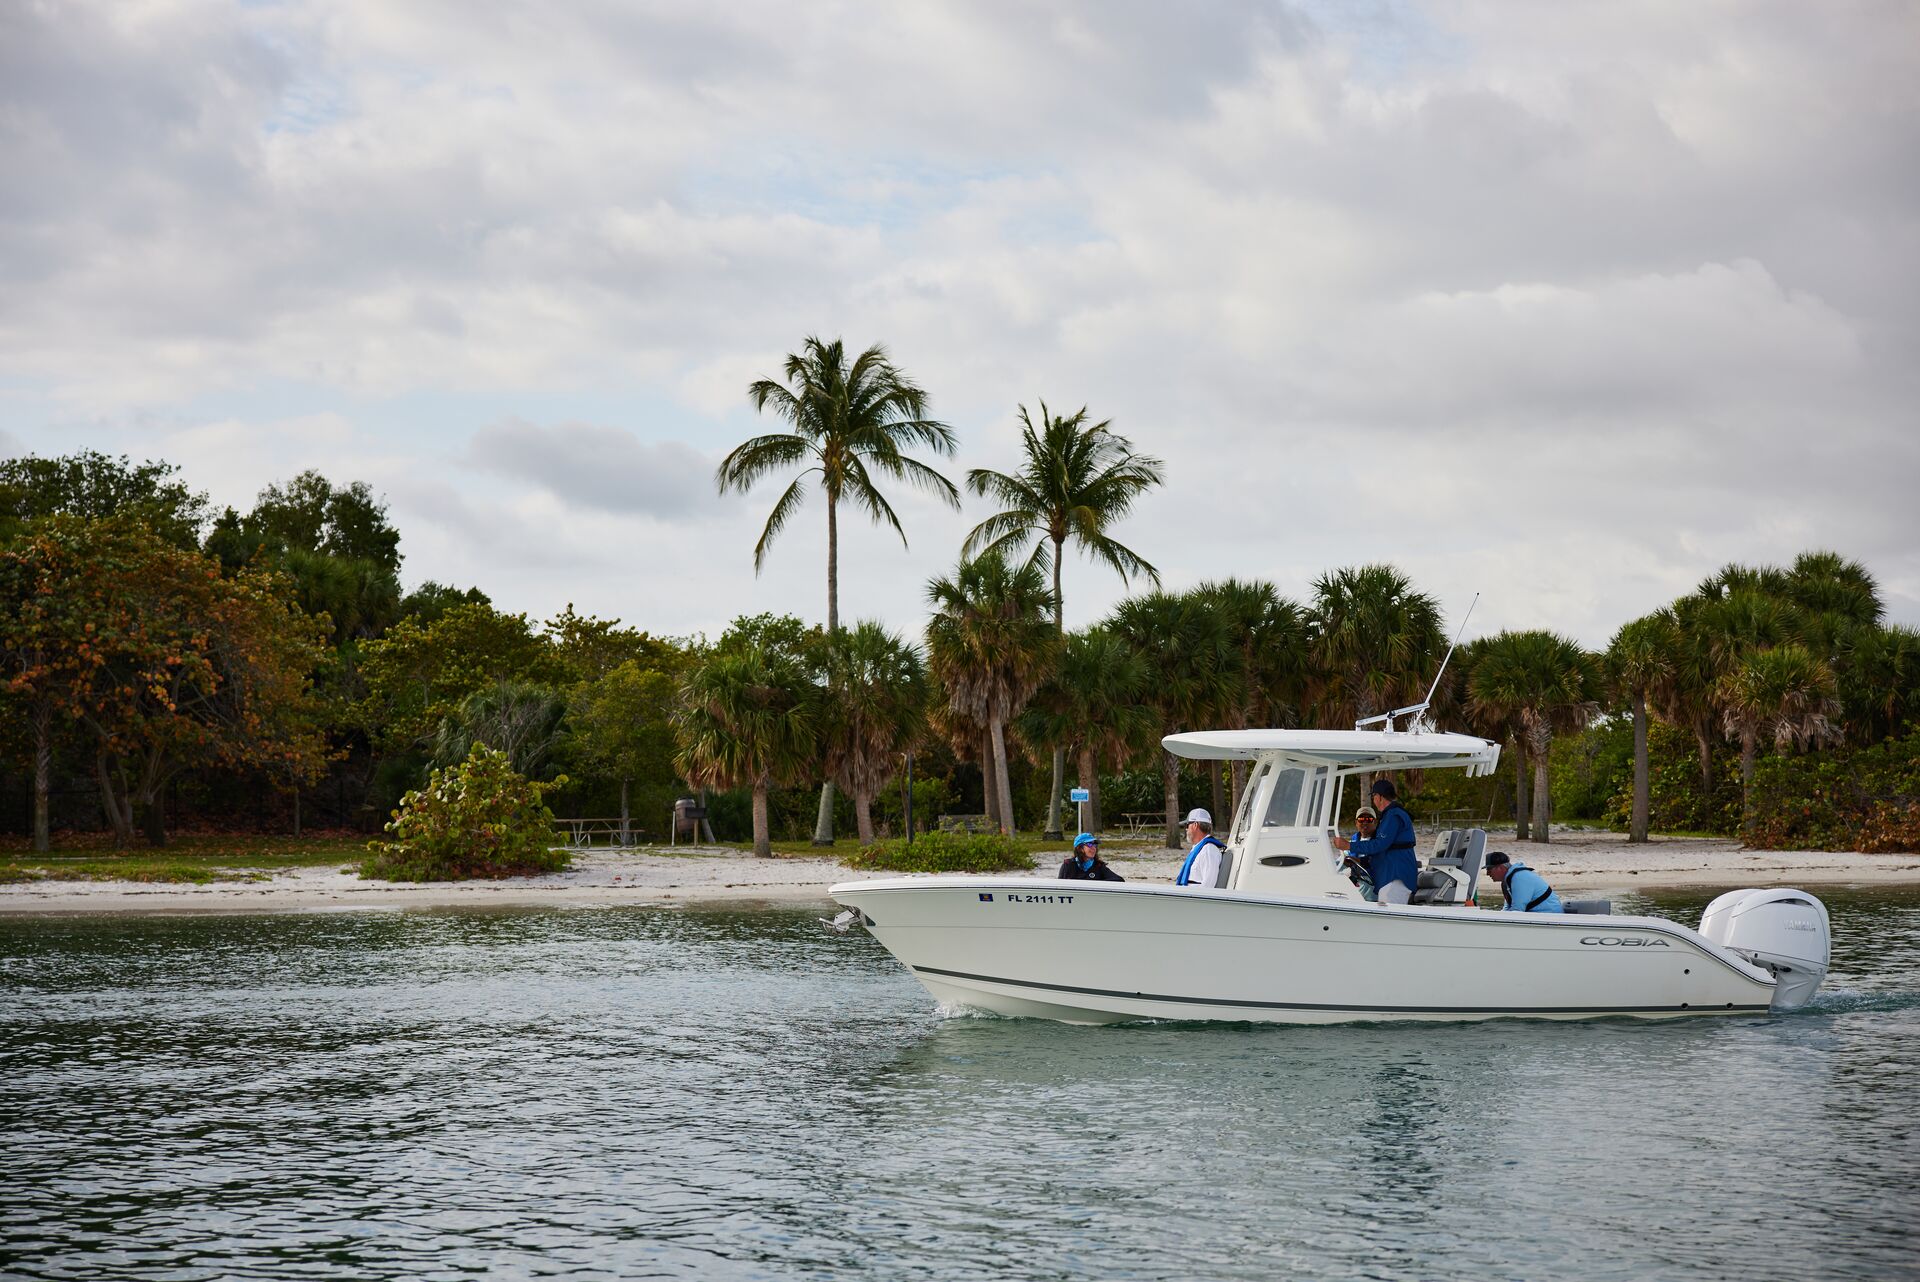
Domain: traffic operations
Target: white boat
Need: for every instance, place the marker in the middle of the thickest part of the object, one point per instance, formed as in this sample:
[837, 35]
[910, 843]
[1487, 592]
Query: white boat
[1284, 937]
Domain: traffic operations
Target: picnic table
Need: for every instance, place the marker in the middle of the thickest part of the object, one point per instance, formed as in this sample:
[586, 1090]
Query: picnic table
[587, 832]
[1139, 821]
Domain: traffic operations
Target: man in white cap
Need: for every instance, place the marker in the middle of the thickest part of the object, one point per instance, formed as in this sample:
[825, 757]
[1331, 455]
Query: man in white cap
[1203, 861]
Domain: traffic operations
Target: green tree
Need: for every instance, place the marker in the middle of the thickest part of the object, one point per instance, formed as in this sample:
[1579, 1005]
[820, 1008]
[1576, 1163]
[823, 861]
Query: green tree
[157, 660]
[851, 425]
[426, 603]
[622, 727]
[878, 712]
[1640, 662]
[1190, 650]
[991, 642]
[1783, 693]
[1376, 642]
[519, 718]
[1551, 685]
[1270, 680]
[417, 675]
[92, 486]
[1075, 481]
[588, 648]
[1096, 703]
[747, 719]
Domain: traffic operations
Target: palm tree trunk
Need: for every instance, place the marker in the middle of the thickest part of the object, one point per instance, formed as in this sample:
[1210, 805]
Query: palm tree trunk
[42, 778]
[1519, 790]
[1642, 787]
[1704, 741]
[999, 731]
[1217, 775]
[989, 781]
[1749, 750]
[1054, 832]
[863, 815]
[1170, 784]
[1091, 783]
[1239, 780]
[1542, 785]
[625, 839]
[762, 845]
[823, 819]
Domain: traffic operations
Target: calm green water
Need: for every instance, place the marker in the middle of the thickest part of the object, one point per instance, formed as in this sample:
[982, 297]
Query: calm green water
[663, 1093]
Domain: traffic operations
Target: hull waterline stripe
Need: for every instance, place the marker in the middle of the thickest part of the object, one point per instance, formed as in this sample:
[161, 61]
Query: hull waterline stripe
[1243, 1003]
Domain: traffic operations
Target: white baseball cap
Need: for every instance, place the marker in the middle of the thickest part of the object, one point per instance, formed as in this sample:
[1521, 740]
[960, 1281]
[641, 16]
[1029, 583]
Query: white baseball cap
[1198, 816]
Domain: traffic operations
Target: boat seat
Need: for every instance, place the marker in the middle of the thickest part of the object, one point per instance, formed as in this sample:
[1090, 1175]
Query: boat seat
[1226, 869]
[1435, 887]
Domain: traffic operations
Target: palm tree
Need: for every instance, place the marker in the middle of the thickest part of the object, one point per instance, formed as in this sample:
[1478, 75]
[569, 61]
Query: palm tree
[878, 711]
[1549, 683]
[1270, 633]
[1640, 662]
[848, 422]
[1881, 682]
[1784, 693]
[1075, 481]
[518, 718]
[991, 642]
[1499, 724]
[1376, 642]
[1194, 662]
[1093, 703]
[747, 718]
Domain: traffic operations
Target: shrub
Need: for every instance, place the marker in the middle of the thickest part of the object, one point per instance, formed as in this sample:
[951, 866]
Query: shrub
[1673, 784]
[475, 819]
[944, 852]
[1846, 799]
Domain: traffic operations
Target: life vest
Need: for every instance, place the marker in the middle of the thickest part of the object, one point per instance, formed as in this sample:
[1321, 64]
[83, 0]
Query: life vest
[1506, 887]
[1194, 854]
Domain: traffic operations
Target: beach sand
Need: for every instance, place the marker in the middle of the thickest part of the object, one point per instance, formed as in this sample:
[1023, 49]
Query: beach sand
[1579, 863]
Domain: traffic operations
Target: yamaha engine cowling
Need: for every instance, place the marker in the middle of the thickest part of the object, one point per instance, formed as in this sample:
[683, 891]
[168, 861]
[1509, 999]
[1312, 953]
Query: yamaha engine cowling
[1782, 931]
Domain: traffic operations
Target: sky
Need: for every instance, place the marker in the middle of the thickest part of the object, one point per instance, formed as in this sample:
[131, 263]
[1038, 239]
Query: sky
[1568, 305]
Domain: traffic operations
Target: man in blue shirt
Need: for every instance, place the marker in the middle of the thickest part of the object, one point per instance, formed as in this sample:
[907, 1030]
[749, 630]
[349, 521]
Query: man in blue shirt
[1389, 855]
[1526, 890]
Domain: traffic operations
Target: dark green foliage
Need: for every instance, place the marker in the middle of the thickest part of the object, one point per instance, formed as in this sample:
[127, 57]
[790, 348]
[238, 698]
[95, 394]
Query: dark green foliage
[1847, 799]
[1590, 768]
[91, 485]
[944, 852]
[477, 819]
[1678, 802]
[430, 600]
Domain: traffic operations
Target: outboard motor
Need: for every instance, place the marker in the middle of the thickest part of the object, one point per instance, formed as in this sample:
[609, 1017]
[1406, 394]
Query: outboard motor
[1782, 931]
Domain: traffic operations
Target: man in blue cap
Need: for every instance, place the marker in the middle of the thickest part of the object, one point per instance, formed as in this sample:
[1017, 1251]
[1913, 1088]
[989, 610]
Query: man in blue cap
[1085, 864]
[1388, 856]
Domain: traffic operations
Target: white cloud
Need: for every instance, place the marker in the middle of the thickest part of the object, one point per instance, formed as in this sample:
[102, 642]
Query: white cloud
[1567, 303]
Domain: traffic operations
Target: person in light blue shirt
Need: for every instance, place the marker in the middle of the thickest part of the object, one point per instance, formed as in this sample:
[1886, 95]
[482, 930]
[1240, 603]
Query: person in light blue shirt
[1526, 890]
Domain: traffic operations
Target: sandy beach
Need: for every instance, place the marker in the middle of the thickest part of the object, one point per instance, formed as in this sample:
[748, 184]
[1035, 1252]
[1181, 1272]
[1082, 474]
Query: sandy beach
[1587, 864]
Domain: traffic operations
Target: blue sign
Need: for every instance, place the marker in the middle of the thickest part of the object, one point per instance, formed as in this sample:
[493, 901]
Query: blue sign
[1080, 794]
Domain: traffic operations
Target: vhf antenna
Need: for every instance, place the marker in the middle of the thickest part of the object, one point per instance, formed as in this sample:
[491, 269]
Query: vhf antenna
[1421, 706]
[1450, 649]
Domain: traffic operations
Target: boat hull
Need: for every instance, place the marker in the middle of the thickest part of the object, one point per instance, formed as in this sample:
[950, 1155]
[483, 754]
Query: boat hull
[1094, 952]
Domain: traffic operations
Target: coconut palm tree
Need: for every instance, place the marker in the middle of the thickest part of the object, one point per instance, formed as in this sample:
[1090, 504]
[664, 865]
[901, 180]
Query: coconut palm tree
[1549, 683]
[1191, 652]
[991, 642]
[850, 426]
[1785, 694]
[1376, 642]
[747, 718]
[878, 712]
[1094, 704]
[1076, 479]
[1640, 663]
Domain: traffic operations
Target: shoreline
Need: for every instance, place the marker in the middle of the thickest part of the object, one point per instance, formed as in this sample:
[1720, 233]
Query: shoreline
[1580, 863]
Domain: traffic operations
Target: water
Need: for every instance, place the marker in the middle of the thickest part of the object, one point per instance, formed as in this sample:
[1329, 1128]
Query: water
[654, 1092]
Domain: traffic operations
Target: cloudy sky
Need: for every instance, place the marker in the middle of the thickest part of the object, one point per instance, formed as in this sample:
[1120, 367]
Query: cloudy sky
[1566, 304]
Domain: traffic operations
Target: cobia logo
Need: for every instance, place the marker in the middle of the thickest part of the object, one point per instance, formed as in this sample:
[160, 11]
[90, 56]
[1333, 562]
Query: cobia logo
[1622, 941]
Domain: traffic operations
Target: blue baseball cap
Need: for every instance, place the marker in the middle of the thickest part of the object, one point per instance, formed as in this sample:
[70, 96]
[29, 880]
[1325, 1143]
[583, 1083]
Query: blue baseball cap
[1085, 839]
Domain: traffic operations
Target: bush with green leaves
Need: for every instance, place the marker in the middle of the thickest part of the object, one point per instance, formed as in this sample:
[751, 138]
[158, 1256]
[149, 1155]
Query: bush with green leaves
[1844, 799]
[944, 852]
[474, 819]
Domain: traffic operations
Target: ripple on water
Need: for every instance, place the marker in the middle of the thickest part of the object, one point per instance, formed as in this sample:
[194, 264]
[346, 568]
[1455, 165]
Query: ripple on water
[639, 1092]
